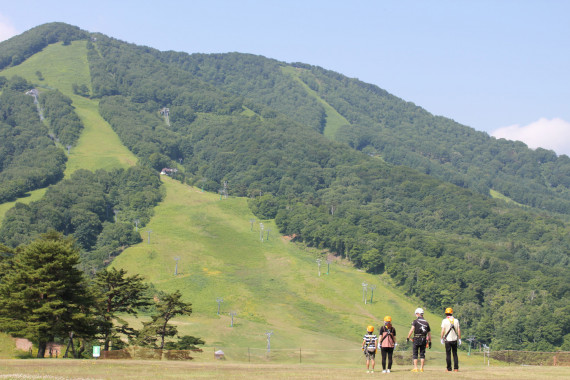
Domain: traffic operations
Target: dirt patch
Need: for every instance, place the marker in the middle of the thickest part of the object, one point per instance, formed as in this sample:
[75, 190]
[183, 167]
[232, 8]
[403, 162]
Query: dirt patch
[23, 344]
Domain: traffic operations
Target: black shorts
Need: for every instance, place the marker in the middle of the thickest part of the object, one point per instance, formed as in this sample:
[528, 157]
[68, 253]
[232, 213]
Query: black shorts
[421, 348]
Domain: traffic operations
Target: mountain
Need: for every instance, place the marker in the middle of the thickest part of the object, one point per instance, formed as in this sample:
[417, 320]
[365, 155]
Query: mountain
[319, 158]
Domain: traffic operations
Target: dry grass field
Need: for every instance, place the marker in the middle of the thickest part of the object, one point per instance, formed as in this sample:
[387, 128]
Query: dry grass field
[139, 369]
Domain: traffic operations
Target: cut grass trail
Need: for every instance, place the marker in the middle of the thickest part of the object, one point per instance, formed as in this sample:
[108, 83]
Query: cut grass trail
[334, 119]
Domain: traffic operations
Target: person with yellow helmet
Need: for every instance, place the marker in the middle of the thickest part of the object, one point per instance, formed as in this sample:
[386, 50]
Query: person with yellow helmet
[421, 340]
[387, 337]
[369, 348]
[451, 337]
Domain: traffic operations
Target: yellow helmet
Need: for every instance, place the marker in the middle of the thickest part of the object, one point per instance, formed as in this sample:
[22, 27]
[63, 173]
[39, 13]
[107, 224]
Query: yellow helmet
[449, 311]
[387, 319]
[370, 329]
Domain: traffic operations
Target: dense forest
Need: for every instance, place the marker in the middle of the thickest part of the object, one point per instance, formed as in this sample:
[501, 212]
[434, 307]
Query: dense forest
[98, 209]
[399, 192]
[400, 132]
[29, 159]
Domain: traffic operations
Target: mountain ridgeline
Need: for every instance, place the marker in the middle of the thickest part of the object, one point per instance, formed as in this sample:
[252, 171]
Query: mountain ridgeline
[396, 190]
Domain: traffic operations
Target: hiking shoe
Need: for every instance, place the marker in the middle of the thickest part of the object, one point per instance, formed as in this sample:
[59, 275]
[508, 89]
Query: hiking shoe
[415, 370]
[383, 371]
[421, 369]
[367, 371]
[388, 371]
[455, 370]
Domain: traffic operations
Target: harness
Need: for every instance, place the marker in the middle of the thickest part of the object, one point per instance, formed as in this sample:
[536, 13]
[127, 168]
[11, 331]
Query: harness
[420, 337]
[423, 328]
[370, 342]
[451, 328]
[386, 336]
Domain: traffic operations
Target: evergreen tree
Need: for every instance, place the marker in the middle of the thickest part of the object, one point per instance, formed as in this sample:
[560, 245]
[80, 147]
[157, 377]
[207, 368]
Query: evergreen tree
[117, 293]
[44, 296]
[169, 306]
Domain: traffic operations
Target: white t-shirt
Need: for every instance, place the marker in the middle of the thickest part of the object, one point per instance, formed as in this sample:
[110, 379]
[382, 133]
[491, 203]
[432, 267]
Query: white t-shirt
[446, 325]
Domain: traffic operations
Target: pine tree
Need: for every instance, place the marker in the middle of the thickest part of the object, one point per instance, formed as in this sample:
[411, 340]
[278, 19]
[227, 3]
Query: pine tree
[44, 296]
[169, 306]
[117, 293]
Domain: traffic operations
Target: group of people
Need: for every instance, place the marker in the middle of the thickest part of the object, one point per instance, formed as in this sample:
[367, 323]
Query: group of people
[420, 335]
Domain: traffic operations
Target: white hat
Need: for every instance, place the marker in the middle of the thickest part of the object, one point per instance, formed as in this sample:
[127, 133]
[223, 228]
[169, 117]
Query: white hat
[419, 310]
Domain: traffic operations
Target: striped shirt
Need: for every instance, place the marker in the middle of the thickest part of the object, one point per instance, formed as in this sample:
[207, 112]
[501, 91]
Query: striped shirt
[370, 341]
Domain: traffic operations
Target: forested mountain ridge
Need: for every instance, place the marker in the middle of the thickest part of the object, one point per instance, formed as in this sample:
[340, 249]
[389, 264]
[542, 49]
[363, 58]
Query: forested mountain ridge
[241, 119]
[400, 132]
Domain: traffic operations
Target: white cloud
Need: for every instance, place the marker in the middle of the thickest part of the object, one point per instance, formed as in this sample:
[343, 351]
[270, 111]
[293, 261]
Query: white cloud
[7, 30]
[553, 134]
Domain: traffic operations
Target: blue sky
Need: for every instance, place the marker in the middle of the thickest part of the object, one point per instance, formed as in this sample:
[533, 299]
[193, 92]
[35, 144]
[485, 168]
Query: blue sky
[500, 66]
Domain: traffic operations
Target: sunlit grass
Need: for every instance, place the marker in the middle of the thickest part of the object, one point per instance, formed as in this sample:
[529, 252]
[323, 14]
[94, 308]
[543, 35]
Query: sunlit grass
[272, 285]
[139, 369]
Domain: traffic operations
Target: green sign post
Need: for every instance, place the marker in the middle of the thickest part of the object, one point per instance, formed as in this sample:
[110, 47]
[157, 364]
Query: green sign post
[96, 351]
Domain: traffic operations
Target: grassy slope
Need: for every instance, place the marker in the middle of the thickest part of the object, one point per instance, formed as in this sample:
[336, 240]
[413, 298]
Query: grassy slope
[334, 119]
[271, 285]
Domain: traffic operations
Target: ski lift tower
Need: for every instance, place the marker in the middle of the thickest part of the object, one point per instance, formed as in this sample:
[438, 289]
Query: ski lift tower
[364, 289]
[219, 300]
[166, 113]
[177, 259]
[35, 93]
[470, 339]
[268, 334]
[372, 287]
